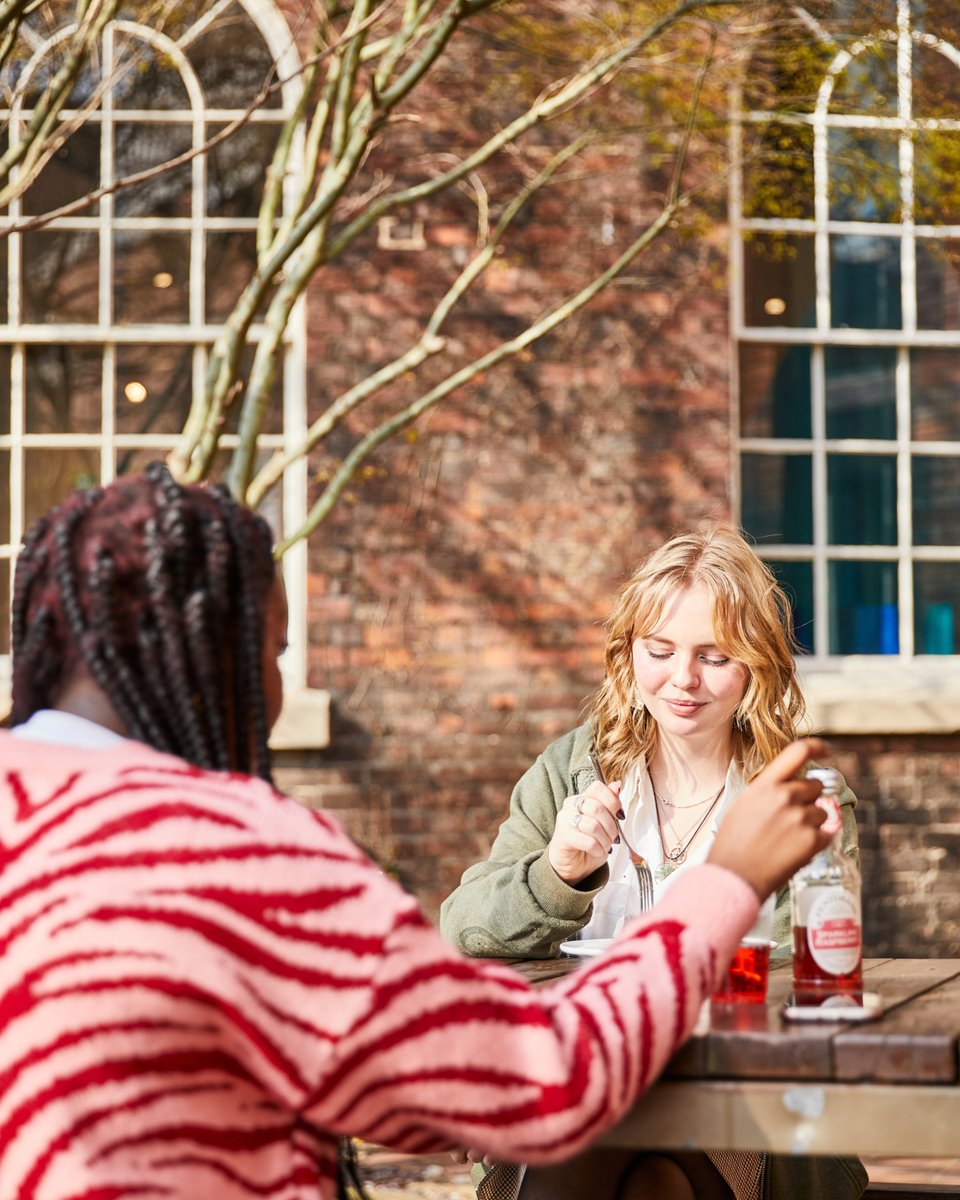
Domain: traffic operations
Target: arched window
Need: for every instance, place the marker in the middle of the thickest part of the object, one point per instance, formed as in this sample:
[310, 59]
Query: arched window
[846, 315]
[108, 314]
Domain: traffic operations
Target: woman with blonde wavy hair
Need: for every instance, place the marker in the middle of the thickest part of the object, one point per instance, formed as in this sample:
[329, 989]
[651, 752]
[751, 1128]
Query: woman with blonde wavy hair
[699, 694]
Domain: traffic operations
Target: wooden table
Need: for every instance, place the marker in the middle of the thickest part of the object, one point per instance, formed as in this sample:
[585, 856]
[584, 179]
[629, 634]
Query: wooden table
[749, 1080]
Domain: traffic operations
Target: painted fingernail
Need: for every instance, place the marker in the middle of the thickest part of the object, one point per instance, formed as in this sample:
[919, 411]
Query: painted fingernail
[621, 815]
[616, 840]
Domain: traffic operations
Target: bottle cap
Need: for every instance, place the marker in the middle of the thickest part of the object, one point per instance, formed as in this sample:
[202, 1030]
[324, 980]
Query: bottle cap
[829, 778]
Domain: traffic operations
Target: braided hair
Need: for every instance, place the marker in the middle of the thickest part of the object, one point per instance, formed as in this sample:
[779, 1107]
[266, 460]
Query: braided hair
[159, 591]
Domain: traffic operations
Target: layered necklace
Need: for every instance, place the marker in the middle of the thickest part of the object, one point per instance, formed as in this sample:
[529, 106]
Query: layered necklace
[679, 851]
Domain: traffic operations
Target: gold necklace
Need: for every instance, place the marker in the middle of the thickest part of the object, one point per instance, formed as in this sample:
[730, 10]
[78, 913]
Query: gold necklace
[679, 852]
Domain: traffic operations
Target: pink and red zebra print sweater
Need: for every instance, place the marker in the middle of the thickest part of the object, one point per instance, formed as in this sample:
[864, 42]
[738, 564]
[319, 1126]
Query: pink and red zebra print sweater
[202, 983]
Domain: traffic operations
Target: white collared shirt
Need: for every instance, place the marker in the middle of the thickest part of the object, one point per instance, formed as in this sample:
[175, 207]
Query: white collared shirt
[65, 729]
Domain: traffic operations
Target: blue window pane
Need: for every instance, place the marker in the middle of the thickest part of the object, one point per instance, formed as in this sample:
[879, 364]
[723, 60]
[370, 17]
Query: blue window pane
[778, 280]
[864, 282]
[862, 499]
[774, 390]
[936, 604]
[796, 579]
[861, 395]
[863, 608]
[777, 498]
[936, 514]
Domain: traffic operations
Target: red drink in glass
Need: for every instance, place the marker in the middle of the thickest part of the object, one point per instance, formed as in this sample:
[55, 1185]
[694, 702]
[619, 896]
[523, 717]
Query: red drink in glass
[746, 979]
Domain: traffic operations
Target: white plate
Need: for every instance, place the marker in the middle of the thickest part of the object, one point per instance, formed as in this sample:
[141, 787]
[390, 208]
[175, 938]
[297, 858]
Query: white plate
[586, 947]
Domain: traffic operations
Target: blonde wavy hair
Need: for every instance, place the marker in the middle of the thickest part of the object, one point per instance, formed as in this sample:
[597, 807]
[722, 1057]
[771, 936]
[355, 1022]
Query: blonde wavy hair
[752, 624]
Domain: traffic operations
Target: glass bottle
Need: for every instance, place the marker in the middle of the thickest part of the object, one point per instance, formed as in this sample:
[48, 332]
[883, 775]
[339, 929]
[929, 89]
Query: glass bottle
[825, 910]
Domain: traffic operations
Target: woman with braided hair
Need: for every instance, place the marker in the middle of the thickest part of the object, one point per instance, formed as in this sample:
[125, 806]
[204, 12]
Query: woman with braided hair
[203, 984]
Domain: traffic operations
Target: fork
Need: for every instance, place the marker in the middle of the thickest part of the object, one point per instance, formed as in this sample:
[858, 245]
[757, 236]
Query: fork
[640, 864]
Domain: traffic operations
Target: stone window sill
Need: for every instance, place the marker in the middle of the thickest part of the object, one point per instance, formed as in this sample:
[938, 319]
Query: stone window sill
[866, 696]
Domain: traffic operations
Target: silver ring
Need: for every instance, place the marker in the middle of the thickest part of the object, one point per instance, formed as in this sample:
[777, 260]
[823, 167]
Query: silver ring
[578, 803]
[576, 819]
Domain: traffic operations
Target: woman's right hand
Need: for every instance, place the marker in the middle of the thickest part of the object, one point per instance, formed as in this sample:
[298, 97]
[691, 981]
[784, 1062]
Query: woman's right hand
[579, 847]
[774, 826]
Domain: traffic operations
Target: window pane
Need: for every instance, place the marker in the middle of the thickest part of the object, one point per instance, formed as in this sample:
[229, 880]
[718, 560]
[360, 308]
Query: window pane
[936, 165]
[3, 276]
[778, 171]
[231, 262]
[938, 283]
[154, 387]
[4, 389]
[146, 78]
[868, 85]
[861, 396]
[936, 82]
[72, 172]
[236, 169]
[936, 513]
[139, 146]
[61, 277]
[796, 579]
[51, 475]
[776, 498]
[863, 608]
[4, 502]
[233, 62]
[935, 395]
[864, 173]
[936, 605]
[63, 389]
[779, 280]
[862, 499]
[4, 606]
[150, 278]
[864, 282]
[774, 391]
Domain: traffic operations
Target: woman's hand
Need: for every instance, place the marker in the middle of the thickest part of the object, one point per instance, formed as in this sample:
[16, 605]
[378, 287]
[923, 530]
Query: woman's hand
[586, 829]
[774, 826]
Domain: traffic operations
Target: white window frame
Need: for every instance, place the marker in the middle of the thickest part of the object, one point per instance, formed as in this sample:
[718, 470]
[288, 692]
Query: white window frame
[305, 718]
[856, 693]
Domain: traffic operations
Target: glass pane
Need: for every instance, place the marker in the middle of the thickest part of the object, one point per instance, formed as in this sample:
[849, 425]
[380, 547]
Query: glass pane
[63, 389]
[864, 282]
[231, 263]
[778, 171]
[233, 62]
[3, 277]
[4, 389]
[936, 81]
[868, 85]
[862, 499]
[4, 606]
[779, 286]
[796, 579]
[935, 395]
[139, 146]
[4, 501]
[61, 277]
[774, 390]
[936, 514]
[154, 387]
[938, 283]
[236, 169]
[147, 78]
[51, 475]
[936, 606]
[861, 395]
[72, 172]
[936, 164]
[864, 175]
[151, 278]
[863, 608]
[273, 419]
[777, 498]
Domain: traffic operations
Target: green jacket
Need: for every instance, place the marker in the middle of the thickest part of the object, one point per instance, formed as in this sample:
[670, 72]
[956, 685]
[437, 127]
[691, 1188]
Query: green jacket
[515, 906]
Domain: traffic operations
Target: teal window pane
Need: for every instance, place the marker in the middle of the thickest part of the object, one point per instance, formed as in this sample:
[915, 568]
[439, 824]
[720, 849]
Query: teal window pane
[935, 395]
[862, 499]
[796, 579]
[864, 282]
[863, 608]
[861, 395]
[936, 606]
[936, 513]
[778, 280]
[777, 498]
[774, 390]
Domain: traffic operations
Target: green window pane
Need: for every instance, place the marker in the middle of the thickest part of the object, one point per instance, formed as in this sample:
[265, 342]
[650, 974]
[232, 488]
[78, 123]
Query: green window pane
[936, 165]
[796, 579]
[864, 282]
[938, 283]
[778, 171]
[936, 514]
[862, 499]
[778, 280]
[936, 606]
[863, 608]
[861, 393]
[935, 395]
[864, 168]
[777, 498]
[774, 391]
